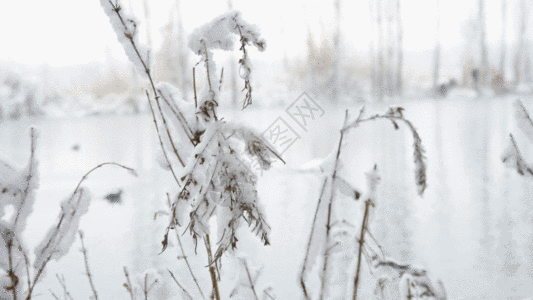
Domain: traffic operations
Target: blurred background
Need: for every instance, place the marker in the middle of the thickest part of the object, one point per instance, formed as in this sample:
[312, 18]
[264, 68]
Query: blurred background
[61, 57]
[455, 66]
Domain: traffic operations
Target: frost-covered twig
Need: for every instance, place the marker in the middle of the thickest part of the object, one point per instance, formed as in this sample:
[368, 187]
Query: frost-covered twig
[87, 270]
[181, 287]
[60, 237]
[125, 27]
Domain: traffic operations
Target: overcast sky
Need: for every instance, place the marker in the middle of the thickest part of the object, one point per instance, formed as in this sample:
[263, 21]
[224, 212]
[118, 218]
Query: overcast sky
[68, 32]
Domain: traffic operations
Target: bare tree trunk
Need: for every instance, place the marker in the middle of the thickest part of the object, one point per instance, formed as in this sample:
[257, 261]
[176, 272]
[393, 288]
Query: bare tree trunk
[390, 48]
[146, 8]
[338, 54]
[519, 57]
[380, 49]
[399, 67]
[484, 67]
[233, 73]
[184, 74]
[436, 58]
[503, 40]
[372, 50]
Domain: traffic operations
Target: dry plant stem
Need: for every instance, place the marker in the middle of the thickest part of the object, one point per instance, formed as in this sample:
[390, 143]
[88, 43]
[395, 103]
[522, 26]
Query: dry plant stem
[181, 287]
[181, 118]
[88, 271]
[186, 259]
[330, 209]
[169, 135]
[361, 243]
[252, 286]
[63, 283]
[302, 281]
[211, 268]
[161, 142]
[117, 9]
[54, 295]
[28, 179]
[194, 86]
[27, 263]
[128, 285]
[95, 168]
[11, 273]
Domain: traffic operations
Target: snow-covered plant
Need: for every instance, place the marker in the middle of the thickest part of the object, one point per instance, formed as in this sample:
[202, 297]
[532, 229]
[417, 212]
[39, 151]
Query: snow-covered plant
[214, 156]
[17, 188]
[511, 156]
[333, 237]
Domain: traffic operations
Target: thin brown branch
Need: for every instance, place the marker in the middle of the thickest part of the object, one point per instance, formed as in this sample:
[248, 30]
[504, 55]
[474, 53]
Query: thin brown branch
[26, 191]
[252, 284]
[214, 282]
[161, 141]
[11, 273]
[181, 287]
[63, 283]
[186, 259]
[54, 295]
[361, 242]
[88, 271]
[330, 210]
[165, 125]
[308, 249]
[128, 284]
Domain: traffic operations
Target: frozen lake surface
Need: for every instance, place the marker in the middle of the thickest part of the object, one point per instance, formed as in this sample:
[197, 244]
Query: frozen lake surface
[473, 228]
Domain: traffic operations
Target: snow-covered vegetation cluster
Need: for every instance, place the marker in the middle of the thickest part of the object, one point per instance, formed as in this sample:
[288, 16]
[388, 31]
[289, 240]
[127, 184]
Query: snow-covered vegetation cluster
[214, 193]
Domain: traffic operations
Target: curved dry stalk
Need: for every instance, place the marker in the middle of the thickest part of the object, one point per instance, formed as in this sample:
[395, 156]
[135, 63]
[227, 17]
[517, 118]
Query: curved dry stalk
[396, 114]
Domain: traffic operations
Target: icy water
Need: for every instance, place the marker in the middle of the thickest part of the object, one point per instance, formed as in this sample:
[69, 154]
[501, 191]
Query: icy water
[472, 229]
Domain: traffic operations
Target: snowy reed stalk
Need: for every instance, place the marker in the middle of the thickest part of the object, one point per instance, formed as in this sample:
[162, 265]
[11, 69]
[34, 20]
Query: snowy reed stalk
[216, 179]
